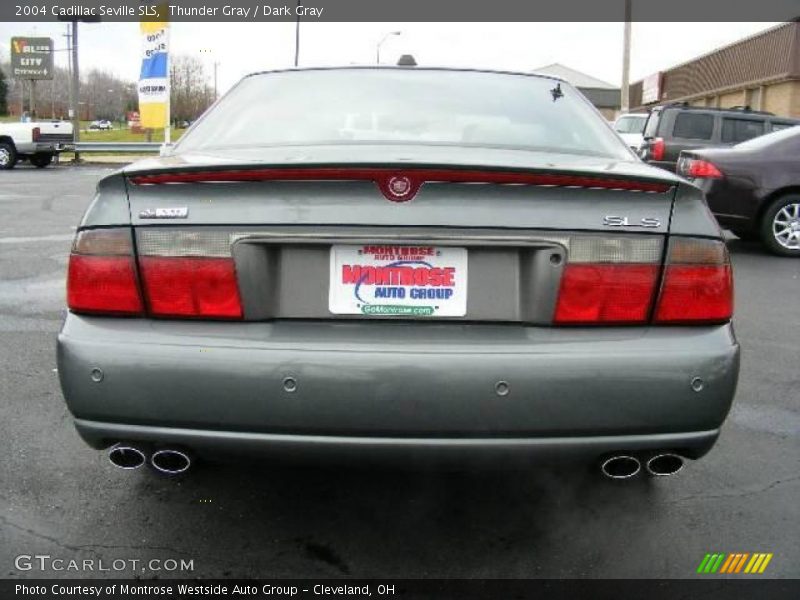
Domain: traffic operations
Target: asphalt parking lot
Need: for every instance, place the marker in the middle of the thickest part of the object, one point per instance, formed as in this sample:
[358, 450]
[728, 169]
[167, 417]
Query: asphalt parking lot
[60, 498]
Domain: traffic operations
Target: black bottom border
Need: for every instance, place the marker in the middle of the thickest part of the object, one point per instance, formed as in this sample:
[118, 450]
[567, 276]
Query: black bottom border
[423, 589]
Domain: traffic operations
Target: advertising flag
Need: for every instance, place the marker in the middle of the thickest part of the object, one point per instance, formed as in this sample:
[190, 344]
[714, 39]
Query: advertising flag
[154, 76]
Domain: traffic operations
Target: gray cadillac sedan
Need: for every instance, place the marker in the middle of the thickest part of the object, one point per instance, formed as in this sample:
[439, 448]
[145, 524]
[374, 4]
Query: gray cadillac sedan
[405, 262]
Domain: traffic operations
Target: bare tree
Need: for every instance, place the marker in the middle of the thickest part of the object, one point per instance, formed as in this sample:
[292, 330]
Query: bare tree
[103, 95]
[191, 92]
[107, 96]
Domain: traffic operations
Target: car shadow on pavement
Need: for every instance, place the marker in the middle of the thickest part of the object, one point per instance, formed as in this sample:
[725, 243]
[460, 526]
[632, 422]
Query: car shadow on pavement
[748, 247]
[379, 522]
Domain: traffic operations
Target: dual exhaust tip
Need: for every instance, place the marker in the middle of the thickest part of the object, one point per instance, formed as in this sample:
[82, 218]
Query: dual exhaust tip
[625, 466]
[172, 461]
[169, 461]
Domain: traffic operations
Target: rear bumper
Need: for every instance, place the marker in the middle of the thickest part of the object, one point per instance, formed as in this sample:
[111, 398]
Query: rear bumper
[46, 147]
[382, 387]
[316, 448]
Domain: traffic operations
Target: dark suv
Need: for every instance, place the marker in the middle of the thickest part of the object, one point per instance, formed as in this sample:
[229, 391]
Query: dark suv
[672, 128]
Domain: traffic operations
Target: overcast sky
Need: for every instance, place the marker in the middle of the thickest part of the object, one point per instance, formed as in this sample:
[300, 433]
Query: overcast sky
[241, 48]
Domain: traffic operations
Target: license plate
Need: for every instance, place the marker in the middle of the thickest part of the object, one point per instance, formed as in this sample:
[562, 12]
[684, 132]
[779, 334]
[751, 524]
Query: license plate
[411, 281]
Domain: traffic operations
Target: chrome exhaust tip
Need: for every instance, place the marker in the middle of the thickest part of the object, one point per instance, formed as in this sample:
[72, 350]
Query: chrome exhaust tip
[662, 465]
[171, 461]
[126, 456]
[622, 466]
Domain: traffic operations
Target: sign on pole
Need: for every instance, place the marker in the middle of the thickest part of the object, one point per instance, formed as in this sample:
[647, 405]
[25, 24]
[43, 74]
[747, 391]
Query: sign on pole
[154, 75]
[32, 58]
[651, 88]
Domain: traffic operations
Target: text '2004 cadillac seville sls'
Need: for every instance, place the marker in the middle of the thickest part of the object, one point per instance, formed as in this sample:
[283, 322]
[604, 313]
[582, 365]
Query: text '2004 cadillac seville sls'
[407, 261]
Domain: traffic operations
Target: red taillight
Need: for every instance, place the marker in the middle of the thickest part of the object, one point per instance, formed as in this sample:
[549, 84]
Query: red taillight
[191, 287]
[101, 277]
[36, 134]
[700, 169]
[609, 280]
[606, 294]
[657, 149]
[698, 284]
[183, 274]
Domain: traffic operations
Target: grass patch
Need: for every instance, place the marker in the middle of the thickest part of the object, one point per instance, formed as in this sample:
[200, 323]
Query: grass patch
[126, 135]
[115, 135]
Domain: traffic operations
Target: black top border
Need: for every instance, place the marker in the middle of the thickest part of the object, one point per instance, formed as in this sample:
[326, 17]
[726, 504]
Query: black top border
[333, 11]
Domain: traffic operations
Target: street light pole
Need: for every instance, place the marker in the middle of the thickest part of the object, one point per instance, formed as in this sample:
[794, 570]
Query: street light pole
[297, 36]
[378, 47]
[75, 89]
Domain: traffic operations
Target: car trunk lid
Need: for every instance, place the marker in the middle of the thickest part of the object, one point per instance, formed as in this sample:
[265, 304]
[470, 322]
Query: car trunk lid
[304, 236]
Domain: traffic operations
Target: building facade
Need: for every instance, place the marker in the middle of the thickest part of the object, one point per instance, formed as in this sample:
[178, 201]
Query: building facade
[761, 71]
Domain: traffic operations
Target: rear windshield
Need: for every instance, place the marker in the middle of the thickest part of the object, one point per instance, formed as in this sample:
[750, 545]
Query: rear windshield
[417, 106]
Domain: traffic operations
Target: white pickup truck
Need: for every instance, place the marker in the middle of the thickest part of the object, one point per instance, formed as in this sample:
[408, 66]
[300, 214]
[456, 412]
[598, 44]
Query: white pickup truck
[37, 141]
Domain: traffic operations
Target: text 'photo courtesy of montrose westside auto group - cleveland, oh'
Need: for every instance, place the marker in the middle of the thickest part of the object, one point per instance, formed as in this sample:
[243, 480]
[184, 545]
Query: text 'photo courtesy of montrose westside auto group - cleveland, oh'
[417, 300]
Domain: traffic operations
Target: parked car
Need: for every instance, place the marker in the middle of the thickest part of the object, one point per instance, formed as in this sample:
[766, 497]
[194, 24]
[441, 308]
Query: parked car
[35, 141]
[673, 128]
[753, 188]
[486, 272]
[102, 125]
[630, 128]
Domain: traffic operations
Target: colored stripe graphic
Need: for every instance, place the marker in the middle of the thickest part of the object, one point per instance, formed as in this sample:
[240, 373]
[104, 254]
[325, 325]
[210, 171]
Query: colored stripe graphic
[728, 563]
[740, 563]
[764, 564]
[718, 562]
[753, 563]
[703, 563]
[735, 562]
[711, 562]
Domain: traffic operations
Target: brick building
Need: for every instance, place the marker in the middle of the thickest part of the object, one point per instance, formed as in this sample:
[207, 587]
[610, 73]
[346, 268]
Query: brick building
[761, 71]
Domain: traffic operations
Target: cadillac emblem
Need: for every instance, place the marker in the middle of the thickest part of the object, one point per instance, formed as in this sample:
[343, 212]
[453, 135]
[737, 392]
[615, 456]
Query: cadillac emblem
[399, 187]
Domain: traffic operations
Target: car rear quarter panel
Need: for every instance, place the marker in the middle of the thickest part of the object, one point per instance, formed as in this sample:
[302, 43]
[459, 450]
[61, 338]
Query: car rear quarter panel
[109, 207]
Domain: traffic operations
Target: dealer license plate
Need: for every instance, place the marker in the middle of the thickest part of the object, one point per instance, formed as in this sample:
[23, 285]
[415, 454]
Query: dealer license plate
[411, 281]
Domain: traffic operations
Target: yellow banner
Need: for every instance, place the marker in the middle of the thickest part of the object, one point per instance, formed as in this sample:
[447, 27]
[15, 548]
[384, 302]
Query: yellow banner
[154, 75]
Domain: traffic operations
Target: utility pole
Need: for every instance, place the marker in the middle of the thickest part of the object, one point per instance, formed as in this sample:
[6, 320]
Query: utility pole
[297, 36]
[75, 89]
[32, 103]
[216, 65]
[68, 35]
[625, 103]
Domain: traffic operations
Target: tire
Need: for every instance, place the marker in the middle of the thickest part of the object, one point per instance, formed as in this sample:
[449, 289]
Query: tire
[780, 226]
[41, 159]
[8, 155]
